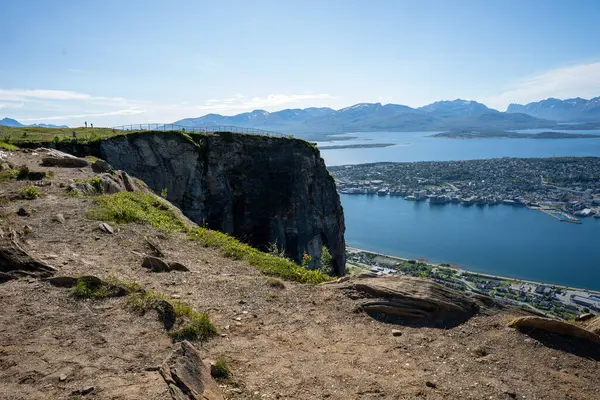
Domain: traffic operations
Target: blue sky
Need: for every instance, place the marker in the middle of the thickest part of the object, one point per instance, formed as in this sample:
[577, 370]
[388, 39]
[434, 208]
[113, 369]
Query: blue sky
[116, 62]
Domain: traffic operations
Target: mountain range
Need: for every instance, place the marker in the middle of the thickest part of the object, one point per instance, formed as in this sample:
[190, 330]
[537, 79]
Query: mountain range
[438, 116]
[14, 123]
[569, 110]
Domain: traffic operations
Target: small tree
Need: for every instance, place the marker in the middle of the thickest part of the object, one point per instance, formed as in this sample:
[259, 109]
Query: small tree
[326, 261]
[306, 259]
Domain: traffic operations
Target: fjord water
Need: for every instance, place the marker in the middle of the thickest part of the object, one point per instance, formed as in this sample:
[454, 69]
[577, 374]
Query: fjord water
[499, 240]
[420, 146]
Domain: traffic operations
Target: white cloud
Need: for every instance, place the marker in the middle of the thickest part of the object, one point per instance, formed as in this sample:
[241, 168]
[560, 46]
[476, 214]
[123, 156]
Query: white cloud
[582, 80]
[240, 102]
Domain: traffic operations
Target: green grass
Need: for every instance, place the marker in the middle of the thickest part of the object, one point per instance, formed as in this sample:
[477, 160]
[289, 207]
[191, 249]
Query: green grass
[136, 207]
[93, 288]
[191, 325]
[29, 192]
[8, 146]
[198, 327]
[221, 369]
[264, 262]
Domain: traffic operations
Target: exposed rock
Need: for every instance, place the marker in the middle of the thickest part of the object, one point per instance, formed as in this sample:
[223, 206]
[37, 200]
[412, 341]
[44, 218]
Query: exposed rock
[594, 325]
[6, 277]
[64, 160]
[187, 376]
[585, 317]
[22, 212]
[100, 166]
[62, 281]
[396, 332]
[412, 298]
[260, 189]
[431, 384]
[155, 247]
[155, 264]
[5, 166]
[15, 261]
[527, 324]
[175, 266]
[59, 218]
[62, 377]
[166, 313]
[104, 227]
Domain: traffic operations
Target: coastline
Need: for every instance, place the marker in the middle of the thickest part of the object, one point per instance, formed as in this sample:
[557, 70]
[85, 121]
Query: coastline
[468, 271]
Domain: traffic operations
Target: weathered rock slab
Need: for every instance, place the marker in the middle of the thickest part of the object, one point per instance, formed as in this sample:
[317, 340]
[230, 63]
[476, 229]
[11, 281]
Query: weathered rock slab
[187, 376]
[525, 324]
[410, 298]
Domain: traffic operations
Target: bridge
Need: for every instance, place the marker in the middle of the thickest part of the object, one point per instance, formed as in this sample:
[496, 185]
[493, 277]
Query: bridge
[201, 129]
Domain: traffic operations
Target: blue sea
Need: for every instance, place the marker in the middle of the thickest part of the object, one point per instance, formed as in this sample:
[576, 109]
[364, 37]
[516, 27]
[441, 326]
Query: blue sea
[420, 146]
[499, 240]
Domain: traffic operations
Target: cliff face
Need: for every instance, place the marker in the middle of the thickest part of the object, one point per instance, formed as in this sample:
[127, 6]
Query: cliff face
[259, 189]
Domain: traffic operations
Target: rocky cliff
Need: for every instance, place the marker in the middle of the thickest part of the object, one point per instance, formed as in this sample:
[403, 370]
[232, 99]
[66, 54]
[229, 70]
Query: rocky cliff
[260, 189]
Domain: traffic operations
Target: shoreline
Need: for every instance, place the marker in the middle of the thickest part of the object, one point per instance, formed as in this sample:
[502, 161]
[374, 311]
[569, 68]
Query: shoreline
[483, 274]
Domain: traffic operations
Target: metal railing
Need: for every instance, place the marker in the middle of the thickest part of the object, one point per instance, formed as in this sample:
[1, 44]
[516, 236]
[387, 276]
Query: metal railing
[201, 129]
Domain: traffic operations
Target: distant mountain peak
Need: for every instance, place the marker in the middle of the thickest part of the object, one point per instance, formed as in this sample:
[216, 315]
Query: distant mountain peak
[456, 107]
[569, 110]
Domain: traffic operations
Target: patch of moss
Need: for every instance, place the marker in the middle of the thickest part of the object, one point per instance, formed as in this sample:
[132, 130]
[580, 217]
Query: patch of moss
[275, 283]
[91, 287]
[198, 327]
[137, 207]
[29, 192]
[221, 369]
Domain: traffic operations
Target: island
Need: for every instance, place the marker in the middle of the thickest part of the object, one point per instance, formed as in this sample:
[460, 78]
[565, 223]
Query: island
[496, 134]
[356, 146]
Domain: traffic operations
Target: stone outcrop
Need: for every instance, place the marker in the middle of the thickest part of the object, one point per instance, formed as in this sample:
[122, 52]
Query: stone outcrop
[187, 376]
[407, 298]
[527, 324]
[260, 189]
[15, 261]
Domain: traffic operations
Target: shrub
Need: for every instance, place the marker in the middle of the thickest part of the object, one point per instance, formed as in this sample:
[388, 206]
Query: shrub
[275, 283]
[198, 327]
[164, 193]
[221, 369]
[94, 288]
[29, 192]
[326, 261]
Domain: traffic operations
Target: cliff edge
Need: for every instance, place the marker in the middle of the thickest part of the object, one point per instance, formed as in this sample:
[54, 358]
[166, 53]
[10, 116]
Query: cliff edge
[260, 189]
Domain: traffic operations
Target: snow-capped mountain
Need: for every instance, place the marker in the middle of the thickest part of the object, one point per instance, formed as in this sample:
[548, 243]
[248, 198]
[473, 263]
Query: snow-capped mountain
[569, 110]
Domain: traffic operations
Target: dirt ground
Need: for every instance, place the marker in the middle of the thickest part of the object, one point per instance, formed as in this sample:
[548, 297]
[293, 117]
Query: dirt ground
[300, 342]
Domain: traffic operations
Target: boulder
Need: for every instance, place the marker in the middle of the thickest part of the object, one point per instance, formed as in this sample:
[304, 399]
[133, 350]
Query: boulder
[594, 325]
[408, 298]
[527, 324]
[16, 261]
[101, 166]
[186, 375]
[155, 264]
[584, 317]
[67, 161]
[175, 266]
[106, 228]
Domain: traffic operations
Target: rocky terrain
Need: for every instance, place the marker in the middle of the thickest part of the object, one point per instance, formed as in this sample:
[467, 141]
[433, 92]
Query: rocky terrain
[356, 338]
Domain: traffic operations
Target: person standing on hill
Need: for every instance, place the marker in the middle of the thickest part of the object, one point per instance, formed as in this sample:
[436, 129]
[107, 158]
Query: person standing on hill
[91, 125]
[85, 123]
